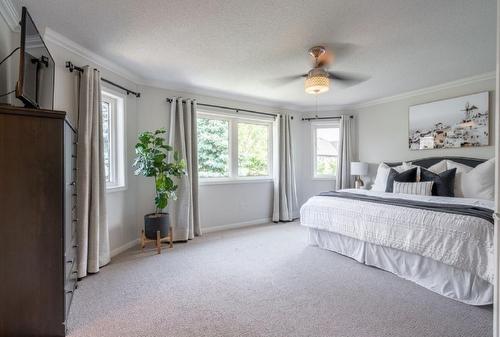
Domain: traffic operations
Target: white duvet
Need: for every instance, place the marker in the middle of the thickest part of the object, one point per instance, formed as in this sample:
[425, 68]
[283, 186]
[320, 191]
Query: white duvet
[461, 241]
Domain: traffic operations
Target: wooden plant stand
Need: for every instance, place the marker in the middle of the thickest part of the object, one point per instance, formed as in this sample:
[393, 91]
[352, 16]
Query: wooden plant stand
[158, 241]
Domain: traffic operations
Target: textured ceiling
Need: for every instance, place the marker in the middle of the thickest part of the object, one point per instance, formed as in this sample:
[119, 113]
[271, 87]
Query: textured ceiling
[237, 47]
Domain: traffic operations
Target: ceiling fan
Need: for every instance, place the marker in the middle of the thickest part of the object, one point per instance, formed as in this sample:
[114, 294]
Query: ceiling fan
[317, 80]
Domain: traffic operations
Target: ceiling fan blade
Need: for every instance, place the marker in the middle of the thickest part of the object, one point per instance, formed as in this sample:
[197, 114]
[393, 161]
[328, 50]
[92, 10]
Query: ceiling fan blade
[280, 81]
[341, 50]
[347, 78]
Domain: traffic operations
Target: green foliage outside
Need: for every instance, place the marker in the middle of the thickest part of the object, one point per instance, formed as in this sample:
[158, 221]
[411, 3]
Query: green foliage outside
[106, 136]
[326, 165]
[252, 150]
[152, 161]
[213, 148]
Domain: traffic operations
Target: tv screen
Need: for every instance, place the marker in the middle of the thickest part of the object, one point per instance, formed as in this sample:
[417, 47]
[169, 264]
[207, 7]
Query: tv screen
[35, 86]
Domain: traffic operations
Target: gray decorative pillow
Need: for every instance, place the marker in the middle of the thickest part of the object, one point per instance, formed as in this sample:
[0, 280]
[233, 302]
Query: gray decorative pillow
[408, 176]
[421, 188]
[444, 182]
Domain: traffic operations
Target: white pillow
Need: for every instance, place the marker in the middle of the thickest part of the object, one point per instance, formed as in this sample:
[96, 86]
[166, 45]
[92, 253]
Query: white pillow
[477, 182]
[438, 167]
[383, 173]
[461, 170]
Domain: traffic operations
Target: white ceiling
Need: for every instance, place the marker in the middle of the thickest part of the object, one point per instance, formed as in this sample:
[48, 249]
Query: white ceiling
[237, 47]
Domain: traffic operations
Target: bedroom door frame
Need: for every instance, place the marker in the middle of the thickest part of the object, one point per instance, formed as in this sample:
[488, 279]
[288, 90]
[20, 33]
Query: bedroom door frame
[496, 297]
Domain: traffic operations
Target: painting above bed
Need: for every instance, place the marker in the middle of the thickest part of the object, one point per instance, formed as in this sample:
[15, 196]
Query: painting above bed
[450, 123]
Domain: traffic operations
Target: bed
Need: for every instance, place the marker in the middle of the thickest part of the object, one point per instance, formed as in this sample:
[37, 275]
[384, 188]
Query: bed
[444, 244]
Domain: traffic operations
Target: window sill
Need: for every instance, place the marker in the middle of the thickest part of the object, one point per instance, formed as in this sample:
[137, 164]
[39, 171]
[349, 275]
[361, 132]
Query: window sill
[113, 189]
[325, 178]
[236, 181]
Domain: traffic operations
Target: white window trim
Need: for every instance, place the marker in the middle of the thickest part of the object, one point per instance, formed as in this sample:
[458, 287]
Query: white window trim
[314, 127]
[118, 139]
[233, 177]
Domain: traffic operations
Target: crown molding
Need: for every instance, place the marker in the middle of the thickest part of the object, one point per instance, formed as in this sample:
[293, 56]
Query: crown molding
[328, 108]
[68, 44]
[10, 15]
[428, 90]
[185, 89]
[405, 95]
[64, 42]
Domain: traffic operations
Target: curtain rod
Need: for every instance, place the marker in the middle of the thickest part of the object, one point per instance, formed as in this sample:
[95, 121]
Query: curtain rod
[326, 117]
[71, 67]
[169, 100]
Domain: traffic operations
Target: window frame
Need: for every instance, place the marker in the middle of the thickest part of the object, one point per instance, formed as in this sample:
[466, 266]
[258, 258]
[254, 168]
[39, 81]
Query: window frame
[314, 128]
[118, 156]
[233, 121]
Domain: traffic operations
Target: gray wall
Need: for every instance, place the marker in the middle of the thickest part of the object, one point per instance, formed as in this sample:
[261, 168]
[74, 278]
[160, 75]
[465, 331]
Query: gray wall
[311, 186]
[382, 136]
[121, 205]
[383, 128]
[220, 204]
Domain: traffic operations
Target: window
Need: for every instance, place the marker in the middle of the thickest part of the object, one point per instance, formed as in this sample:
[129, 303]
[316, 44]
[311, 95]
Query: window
[232, 148]
[213, 147]
[112, 113]
[253, 150]
[326, 141]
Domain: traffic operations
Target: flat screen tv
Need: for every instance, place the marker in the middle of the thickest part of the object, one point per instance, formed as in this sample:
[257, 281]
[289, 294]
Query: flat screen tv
[35, 85]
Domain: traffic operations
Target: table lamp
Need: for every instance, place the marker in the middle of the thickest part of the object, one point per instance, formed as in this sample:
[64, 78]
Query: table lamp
[359, 169]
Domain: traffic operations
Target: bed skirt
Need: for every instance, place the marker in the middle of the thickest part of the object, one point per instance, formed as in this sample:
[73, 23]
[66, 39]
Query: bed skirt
[436, 276]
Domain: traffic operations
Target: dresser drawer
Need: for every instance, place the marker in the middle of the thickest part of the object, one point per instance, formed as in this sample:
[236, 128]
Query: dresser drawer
[70, 263]
[70, 236]
[70, 240]
[69, 290]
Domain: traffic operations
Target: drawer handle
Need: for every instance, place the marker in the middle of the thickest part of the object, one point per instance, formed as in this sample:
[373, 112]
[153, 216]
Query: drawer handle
[75, 220]
[75, 272]
[75, 246]
[73, 183]
[69, 261]
[73, 156]
[69, 291]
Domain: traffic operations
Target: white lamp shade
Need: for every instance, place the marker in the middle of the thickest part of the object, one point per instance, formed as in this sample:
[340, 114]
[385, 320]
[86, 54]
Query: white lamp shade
[359, 168]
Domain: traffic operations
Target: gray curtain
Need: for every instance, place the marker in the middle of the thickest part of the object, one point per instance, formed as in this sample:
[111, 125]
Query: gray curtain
[184, 212]
[344, 179]
[92, 226]
[285, 191]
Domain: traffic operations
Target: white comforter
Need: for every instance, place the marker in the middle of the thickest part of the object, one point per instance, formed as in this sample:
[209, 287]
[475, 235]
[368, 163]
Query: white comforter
[462, 241]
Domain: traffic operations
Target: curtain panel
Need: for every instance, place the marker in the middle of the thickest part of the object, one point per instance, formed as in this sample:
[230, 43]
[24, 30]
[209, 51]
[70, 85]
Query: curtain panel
[285, 204]
[92, 226]
[345, 153]
[184, 211]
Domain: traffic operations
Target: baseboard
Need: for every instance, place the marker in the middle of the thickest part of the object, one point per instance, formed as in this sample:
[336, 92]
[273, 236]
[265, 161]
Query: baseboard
[235, 225]
[255, 222]
[124, 247]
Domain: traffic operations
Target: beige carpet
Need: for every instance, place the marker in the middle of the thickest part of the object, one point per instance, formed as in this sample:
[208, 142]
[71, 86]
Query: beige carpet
[261, 281]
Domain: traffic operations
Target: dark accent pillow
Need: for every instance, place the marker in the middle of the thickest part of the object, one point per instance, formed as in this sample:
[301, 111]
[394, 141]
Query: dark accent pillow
[444, 183]
[408, 176]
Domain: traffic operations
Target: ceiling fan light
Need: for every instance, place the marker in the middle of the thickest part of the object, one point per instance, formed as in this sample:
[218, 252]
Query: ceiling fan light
[316, 84]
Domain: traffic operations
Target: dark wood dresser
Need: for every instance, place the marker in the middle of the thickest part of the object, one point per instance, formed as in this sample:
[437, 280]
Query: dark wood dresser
[37, 221]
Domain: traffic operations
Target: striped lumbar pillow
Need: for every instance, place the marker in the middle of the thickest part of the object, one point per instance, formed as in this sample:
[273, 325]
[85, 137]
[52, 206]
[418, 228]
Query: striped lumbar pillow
[420, 188]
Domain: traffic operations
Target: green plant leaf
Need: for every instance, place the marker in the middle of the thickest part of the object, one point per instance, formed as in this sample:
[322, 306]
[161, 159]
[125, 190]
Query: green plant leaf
[152, 161]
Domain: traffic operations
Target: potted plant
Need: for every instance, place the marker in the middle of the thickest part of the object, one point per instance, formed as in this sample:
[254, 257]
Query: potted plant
[153, 161]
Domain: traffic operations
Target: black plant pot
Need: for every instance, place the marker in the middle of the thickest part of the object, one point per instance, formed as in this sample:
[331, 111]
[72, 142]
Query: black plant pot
[156, 222]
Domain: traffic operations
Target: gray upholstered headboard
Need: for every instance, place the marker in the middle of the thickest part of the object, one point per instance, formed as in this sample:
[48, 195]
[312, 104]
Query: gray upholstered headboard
[427, 162]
